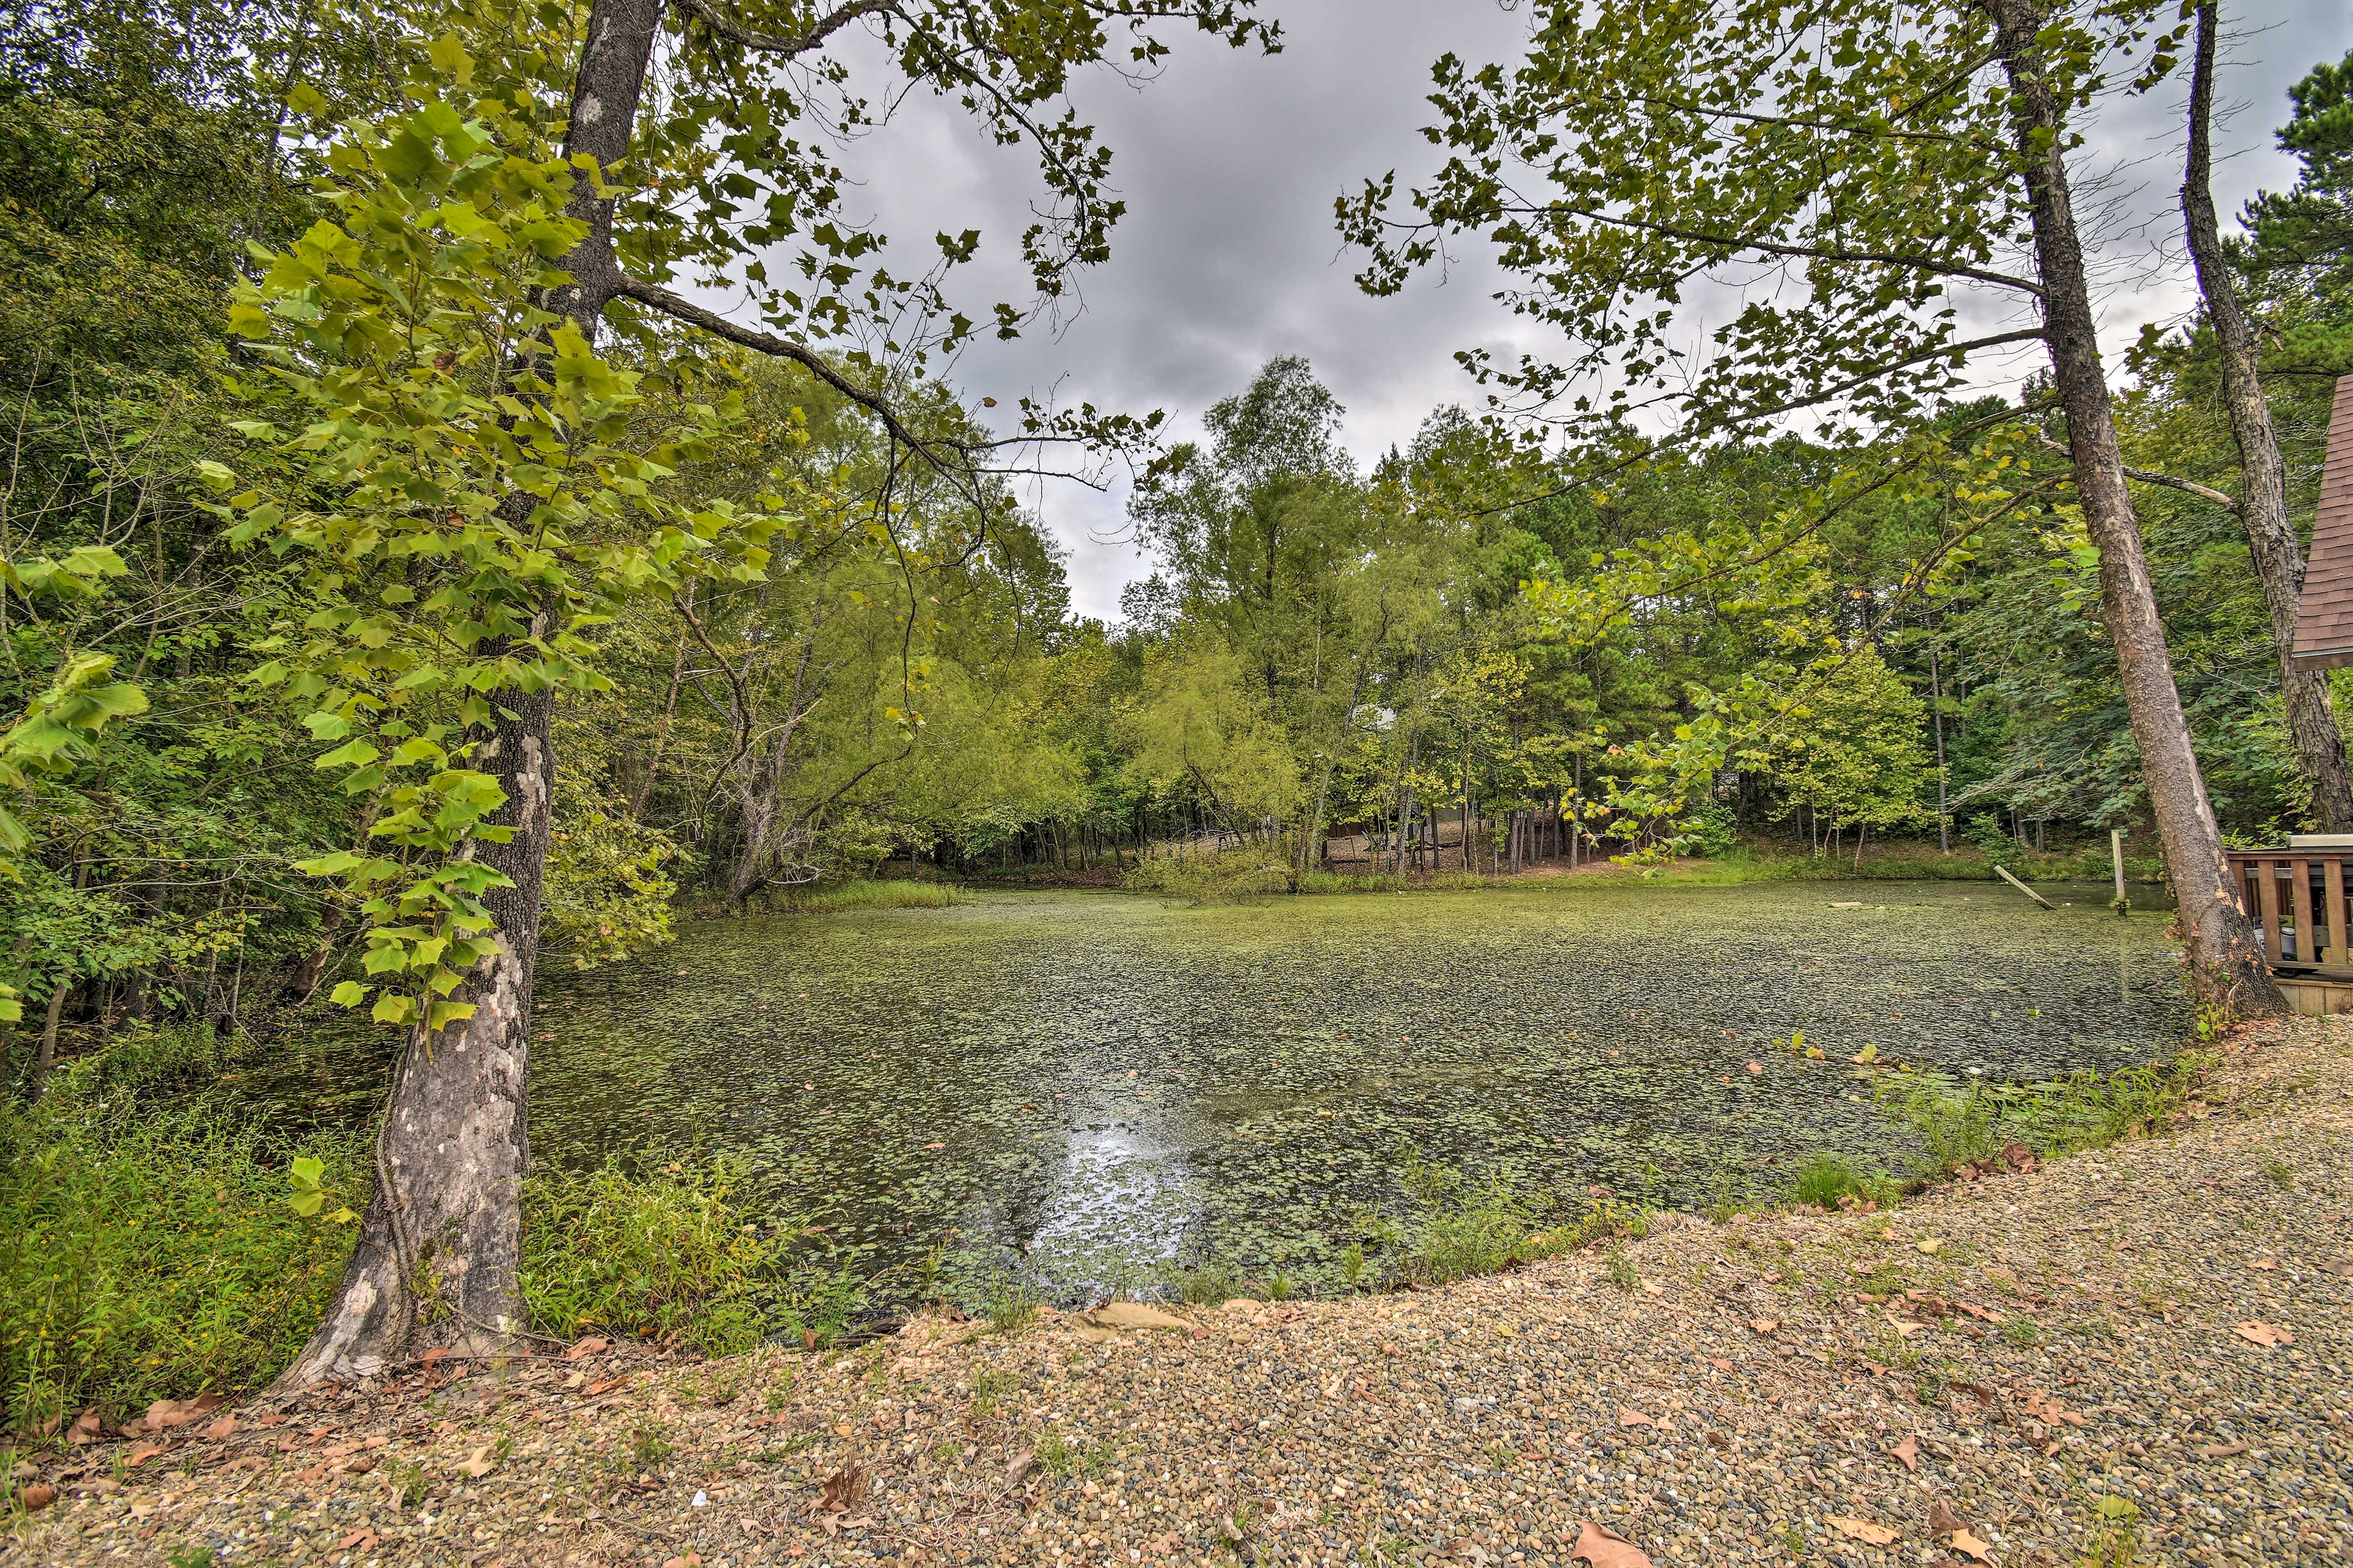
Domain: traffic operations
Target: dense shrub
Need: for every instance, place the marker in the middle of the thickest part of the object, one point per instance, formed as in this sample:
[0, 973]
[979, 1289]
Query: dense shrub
[147, 1246]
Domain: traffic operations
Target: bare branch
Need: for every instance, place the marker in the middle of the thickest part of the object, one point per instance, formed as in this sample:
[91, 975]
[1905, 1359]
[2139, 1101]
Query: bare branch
[2151, 477]
[824, 28]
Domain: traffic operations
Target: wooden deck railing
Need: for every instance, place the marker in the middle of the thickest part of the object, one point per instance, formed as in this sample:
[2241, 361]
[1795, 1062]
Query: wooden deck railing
[2296, 898]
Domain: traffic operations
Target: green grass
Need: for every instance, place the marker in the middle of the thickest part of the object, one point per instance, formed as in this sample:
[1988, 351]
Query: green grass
[1826, 1180]
[147, 1246]
[660, 1256]
[1961, 1123]
[863, 893]
[1456, 1228]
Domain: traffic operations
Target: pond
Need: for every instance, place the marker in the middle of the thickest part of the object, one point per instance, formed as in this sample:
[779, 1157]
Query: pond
[1090, 1091]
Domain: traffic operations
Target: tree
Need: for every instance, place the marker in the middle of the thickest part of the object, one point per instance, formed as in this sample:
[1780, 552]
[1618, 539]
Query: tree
[1877, 159]
[459, 427]
[1853, 756]
[2261, 505]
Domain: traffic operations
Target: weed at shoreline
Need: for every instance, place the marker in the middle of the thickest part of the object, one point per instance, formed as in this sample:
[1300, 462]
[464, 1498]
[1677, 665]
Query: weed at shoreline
[1966, 1124]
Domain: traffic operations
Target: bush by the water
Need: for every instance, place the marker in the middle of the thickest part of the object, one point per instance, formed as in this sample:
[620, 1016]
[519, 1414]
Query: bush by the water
[150, 1246]
[1456, 1228]
[655, 1256]
[147, 1246]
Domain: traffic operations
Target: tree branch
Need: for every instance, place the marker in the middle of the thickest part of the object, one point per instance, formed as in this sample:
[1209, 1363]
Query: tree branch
[2149, 477]
[824, 28]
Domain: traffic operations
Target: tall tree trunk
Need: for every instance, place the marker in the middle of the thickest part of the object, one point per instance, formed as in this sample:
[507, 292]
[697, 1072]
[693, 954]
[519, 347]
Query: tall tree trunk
[2262, 488]
[2226, 966]
[1937, 712]
[440, 1245]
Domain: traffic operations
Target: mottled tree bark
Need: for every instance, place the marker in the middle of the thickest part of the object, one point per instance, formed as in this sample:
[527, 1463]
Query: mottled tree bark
[2263, 488]
[439, 1251]
[2225, 964]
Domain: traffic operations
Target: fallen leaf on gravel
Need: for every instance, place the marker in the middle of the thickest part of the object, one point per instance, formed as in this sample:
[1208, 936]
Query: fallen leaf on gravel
[361, 1540]
[1764, 1325]
[1605, 1548]
[1863, 1529]
[166, 1414]
[604, 1385]
[588, 1348]
[2262, 1333]
[1137, 1315]
[85, 1427]
[1719, 1363]
[220, 1428]
[1983, 1314]
[2221, 1450]
[1943, 1521]
[478, 1463]
[691, 1560]
[1634, 1418]
[1969, 1545]
[2266, 1264]
[1506, 1331]
[38, 1495]
[1931, 1246]
[142, 1452]
[1909, 1451]
[1654, 1288]
[1905, 1327]
[1017, 1470]
[2339, 1266]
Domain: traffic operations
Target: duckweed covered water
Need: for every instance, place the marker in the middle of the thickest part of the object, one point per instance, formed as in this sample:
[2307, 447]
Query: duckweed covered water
[1088, 1090]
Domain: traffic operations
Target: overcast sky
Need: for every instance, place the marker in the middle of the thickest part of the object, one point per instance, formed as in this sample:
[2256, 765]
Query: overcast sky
[1229, 162]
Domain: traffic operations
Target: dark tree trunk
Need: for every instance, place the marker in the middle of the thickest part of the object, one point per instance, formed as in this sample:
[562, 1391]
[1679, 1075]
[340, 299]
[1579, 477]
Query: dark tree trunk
[2263, 488]
[439, 1245]
[2225, 964]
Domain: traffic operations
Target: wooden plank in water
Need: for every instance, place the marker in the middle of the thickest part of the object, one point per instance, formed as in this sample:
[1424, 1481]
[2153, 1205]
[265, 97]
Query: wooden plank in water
[2299, 888]
[2022, 888]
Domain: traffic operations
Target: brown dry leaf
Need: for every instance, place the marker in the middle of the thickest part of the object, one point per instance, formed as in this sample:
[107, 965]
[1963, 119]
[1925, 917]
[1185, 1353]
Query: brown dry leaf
[478, 1464]
[691, 1560]
[85, 1427]
[1969, 1545]
[1909, 1451]
[843, 1489]
[2266, 1264]
[2339, 1266]
[38, 1495]
[1634, 1418]
[1764, 1325]
[1719, 1363]
[1905, 1327]
[1863, 1529]
[2262, 1333]
[1943, 1521]
[142, 1452]
[587, 1348]
[218, 1430]
[166, 1414]
[360, 1540]
[2221, 1450]
[1605, 1548]
[604, 1385]
[1018, 1469]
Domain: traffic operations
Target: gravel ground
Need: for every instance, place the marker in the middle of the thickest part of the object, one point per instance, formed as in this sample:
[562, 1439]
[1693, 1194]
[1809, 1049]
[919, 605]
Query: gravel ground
[2045, 1368]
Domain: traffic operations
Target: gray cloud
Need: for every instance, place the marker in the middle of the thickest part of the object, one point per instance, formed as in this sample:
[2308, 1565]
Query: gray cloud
[1229, 162]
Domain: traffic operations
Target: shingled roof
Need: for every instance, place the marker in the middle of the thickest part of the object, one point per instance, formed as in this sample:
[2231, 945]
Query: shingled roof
[2323, 618]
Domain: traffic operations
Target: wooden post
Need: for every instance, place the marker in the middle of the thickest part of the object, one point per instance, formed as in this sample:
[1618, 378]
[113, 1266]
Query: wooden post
[2022, 888]
[2117, 859]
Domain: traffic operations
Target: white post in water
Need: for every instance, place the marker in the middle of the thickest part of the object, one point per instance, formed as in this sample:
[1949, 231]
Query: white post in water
[2117, 859]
